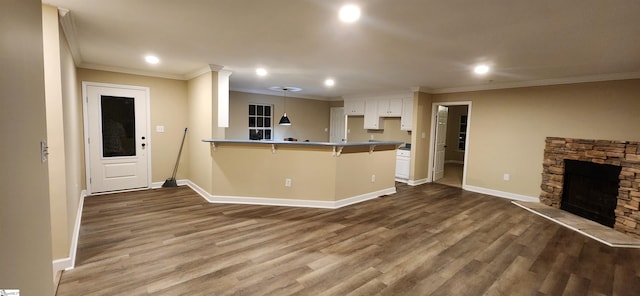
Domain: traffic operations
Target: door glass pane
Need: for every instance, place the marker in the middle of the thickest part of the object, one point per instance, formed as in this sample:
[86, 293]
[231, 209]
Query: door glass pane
[118, 126]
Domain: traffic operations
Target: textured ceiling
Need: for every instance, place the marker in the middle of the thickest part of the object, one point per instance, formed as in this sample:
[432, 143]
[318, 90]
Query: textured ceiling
[395, 46]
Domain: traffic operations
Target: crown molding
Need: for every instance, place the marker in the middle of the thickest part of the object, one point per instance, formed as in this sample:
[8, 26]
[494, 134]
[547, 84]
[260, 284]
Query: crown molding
[379, 95]
[203, 70]
[541, 82]
[423, 89]
[130, 71]
[69, 30]
[276, 93]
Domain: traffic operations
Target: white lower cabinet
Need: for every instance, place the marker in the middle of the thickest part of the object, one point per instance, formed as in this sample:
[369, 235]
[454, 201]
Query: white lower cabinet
[403, 164]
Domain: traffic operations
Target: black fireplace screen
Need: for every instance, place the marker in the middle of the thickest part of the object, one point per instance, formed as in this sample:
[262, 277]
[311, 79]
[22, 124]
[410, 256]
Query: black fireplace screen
[591, 190]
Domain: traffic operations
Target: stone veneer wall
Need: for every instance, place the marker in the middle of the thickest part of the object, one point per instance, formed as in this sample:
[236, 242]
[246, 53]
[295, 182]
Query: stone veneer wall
[620, 153]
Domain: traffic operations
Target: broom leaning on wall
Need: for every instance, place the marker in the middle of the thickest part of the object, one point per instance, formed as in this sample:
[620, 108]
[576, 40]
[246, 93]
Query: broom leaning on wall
[171, 182]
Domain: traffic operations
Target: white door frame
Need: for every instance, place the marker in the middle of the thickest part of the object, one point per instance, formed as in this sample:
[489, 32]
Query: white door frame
[432, 139]
[85, 115]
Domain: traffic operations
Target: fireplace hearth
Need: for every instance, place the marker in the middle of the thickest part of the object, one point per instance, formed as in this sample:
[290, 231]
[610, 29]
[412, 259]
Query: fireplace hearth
[560, 154]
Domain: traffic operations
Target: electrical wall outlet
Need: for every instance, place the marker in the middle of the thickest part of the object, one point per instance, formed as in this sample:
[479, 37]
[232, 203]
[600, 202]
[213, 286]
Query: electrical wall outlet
[287, 182]
[373, 178]
[506, 177]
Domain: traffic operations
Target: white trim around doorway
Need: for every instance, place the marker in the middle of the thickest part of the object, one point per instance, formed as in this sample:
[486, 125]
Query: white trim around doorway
[85, 118]
[432, 138]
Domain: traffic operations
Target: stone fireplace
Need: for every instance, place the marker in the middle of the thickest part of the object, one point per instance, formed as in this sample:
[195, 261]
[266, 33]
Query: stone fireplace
[616, 153]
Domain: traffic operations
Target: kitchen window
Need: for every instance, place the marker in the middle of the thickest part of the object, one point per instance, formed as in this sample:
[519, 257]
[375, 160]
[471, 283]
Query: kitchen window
[260, 121]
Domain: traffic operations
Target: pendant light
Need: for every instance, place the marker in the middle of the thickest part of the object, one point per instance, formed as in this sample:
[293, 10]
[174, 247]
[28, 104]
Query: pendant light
[285, 120]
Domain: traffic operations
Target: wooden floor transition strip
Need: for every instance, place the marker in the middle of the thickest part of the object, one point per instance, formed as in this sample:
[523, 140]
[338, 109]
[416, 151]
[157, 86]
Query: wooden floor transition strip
[594, 230]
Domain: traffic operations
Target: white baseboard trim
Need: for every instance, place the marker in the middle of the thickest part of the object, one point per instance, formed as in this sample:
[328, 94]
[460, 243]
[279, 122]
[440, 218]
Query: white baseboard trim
[70, 262]
[418, 182]
[62, 264]
[197, 189]
[503, 194]
[287, 202]
[363, 197]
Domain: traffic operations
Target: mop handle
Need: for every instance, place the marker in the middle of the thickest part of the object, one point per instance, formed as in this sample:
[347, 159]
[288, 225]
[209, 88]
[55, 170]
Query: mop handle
[175, 169]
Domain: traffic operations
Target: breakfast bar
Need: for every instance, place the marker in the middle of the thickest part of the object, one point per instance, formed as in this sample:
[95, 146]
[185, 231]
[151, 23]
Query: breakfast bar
[305, 174]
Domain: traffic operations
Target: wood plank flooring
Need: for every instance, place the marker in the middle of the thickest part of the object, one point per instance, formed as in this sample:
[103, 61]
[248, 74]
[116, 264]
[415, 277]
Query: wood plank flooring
[424, 240]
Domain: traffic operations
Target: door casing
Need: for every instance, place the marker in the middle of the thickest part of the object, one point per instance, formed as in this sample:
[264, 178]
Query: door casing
[85, 113]
[432, 139]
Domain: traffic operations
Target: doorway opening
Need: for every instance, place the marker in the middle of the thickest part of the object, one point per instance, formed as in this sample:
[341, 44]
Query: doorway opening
[450, 125]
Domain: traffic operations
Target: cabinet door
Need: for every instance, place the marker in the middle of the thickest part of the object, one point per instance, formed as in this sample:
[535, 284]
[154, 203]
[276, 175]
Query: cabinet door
[354, 107]
[406, 121]
[383, 107]
[402, 167]
[395, 107]
[371, 118]
[390, 107]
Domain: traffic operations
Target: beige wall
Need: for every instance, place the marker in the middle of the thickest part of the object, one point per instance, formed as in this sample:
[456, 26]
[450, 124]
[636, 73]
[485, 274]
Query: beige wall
[452, 153]
[253, 170]
[309, 117]
[168, 107]
[508, 127]
[422, 105]
[73, 134]
[391, 131]
[200, 113]
[25, 224]
[353, 172]
[55, 133]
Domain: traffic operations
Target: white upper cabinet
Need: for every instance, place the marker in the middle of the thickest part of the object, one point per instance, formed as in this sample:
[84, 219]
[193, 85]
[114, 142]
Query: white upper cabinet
[371, 118]
[354, 107]
[390, 107]
[406, 121]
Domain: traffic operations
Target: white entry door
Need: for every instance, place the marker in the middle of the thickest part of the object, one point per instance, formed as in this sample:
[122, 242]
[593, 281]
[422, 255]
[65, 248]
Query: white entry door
[337, 128]
[441, 142]
[116, 134]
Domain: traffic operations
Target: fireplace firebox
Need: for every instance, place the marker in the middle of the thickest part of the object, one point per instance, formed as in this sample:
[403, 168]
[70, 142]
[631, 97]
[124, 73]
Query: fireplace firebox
[591, 190]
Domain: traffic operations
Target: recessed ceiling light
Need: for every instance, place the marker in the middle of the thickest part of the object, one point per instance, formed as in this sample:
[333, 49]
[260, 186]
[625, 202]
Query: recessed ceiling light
[349, 13]
[261, 72]
[329, 82]
[152, 59]
[481, 69]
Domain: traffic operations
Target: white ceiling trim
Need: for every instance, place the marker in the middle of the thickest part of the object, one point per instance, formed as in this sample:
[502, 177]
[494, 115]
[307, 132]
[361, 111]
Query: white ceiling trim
[542, 82]
[131, 71]
[69, 29]
[279, 94]
[200, 71]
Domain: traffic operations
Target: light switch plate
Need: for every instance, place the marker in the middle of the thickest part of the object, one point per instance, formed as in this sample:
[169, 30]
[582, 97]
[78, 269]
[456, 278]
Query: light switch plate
[160, 128]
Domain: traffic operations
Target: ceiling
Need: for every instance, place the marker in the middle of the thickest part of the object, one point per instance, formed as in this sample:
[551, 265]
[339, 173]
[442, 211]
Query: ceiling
[395, 46]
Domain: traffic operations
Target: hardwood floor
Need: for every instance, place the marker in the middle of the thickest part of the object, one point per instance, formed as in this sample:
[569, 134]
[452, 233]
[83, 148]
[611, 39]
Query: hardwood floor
[425, 240]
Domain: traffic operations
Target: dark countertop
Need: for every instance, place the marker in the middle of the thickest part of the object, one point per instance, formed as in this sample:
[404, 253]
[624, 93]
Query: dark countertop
[294, 143]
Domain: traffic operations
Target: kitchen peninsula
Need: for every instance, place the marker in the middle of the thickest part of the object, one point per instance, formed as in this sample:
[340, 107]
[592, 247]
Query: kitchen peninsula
[305, 174]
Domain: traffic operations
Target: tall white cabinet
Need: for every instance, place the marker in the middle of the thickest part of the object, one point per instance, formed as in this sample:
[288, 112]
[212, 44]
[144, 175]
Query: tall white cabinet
[406, 120]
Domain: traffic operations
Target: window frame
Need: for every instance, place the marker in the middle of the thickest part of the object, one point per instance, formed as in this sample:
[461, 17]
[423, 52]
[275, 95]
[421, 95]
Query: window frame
[260, 122]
